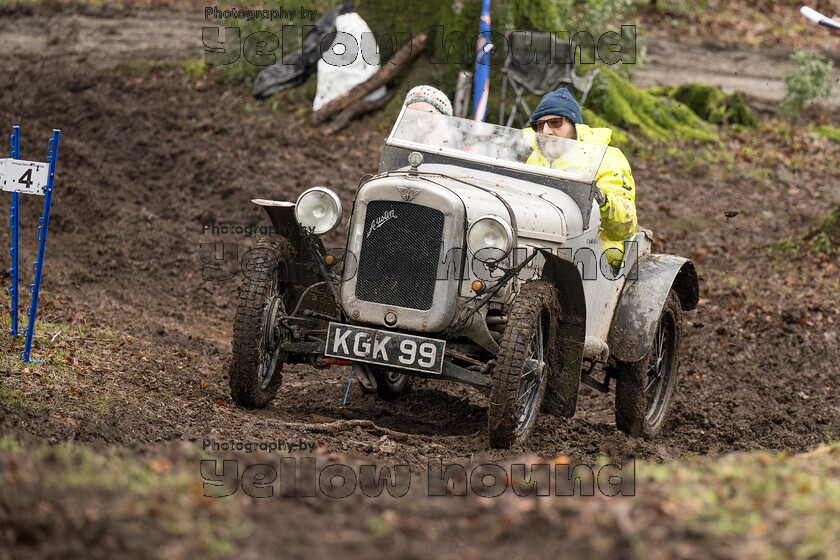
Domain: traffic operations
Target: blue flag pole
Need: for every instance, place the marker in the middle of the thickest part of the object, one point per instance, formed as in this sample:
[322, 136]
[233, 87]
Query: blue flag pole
[481, 84]
[14, 222]
[41, 235]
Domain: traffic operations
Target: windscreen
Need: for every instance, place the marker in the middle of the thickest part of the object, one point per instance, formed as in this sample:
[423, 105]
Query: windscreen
[515, 148]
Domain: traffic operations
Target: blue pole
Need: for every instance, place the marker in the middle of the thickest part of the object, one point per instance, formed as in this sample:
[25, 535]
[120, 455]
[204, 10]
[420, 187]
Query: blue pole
[349, 381]
[14, 222]
[481, 86]
[41, 234]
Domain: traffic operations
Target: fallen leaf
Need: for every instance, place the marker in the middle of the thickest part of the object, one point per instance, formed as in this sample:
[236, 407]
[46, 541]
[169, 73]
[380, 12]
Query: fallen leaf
[161, 465]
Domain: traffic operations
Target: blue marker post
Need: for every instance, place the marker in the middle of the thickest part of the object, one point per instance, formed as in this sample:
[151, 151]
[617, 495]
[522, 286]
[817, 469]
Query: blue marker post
[28, 177]
[14, 222]
[41, 235]
[481, 88]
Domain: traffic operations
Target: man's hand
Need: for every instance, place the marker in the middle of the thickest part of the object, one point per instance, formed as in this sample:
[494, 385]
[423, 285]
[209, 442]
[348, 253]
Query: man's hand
[600, 198]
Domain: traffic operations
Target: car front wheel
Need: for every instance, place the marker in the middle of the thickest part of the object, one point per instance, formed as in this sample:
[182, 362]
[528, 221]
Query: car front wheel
[257, 360]
[522, 365]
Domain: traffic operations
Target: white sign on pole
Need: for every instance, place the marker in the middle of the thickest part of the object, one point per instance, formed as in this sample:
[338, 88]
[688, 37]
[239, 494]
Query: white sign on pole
[29, 177]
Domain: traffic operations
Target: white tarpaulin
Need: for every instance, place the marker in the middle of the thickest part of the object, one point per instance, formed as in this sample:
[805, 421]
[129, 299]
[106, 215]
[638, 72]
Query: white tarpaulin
[343, 67]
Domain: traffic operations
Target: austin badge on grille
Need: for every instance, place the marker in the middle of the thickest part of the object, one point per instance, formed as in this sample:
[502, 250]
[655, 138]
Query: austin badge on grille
[407, 193]
[380, 221]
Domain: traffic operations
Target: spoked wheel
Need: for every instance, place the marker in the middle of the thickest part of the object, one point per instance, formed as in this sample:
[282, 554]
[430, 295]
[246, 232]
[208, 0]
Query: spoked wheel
[257, 360]
[522, 365]
[644, 389]
[533, 377]
[390, 384]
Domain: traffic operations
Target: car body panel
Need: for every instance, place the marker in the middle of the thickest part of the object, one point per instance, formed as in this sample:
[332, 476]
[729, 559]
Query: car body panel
[642, 299]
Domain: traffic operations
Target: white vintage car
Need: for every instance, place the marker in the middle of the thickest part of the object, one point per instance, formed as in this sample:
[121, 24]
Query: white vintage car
[464, 263]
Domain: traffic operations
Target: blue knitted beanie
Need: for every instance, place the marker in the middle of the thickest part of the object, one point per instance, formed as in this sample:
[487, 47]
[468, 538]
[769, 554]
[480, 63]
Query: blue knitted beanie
[561, 103]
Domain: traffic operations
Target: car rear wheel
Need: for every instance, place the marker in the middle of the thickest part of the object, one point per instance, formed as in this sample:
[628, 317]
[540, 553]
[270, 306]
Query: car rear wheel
[644, 389]
[522, 365]
[390, 384]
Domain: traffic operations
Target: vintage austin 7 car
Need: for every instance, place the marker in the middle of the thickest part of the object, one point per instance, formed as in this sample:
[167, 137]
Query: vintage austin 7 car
[466, 264]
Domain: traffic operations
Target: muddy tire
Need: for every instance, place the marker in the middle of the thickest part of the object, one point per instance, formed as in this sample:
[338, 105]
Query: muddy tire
[644, 389]
[390, 384]
[256, 362]
[522, 365]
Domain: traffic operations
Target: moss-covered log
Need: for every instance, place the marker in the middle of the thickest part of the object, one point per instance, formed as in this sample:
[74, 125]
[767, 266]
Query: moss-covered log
[710, 103]
[619, 137]
[644, 115]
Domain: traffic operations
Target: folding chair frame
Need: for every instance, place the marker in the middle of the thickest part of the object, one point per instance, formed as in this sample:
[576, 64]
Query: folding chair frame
[581, 84]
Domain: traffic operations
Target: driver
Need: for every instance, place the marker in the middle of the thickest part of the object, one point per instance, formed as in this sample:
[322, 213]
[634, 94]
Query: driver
[558, 116]
[429, 127]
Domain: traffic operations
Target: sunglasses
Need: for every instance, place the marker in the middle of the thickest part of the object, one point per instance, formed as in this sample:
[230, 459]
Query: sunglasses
[556, 122]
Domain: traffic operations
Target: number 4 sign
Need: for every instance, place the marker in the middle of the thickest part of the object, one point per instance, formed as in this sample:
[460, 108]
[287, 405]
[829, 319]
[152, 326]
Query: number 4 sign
[36, 178]
[23, 176]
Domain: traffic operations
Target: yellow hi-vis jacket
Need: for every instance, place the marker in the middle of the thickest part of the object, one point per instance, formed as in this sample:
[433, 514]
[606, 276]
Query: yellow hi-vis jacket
[618, 215]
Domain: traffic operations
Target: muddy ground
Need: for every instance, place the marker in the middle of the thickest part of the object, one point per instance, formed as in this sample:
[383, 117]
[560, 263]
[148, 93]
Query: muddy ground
[149, 157]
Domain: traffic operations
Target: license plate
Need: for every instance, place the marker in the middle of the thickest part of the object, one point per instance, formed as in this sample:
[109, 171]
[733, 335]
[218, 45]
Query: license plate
[396, 350]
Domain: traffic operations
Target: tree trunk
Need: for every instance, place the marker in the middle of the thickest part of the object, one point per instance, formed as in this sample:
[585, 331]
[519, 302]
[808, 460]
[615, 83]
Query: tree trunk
[354, 110]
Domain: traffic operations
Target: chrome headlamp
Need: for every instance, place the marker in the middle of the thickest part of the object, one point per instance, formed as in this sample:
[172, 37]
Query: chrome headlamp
[490, 239]
[318, 209]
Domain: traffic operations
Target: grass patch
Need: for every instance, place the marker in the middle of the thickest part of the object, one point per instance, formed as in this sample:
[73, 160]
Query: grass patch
[798, 247]
[756, 505]
[150, 494]
[828, 132]
[70, 356]
[773, 504]
[822, 242]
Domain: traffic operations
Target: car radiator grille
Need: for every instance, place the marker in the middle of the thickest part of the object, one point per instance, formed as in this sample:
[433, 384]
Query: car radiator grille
[401, 247]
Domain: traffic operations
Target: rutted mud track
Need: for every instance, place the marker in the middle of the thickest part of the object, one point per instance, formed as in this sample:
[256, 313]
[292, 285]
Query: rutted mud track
[148, 157]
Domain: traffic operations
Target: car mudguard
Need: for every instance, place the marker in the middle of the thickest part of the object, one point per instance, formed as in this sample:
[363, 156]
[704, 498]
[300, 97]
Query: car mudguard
[640, 304]
[567, 347]
[282, 216]
[285, 224]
